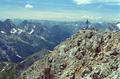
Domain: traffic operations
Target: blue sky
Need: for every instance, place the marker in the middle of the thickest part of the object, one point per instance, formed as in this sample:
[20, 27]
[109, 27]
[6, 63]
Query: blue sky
[67, 10]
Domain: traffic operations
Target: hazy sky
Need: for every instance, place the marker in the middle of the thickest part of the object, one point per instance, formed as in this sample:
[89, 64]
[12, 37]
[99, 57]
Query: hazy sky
[95, 10]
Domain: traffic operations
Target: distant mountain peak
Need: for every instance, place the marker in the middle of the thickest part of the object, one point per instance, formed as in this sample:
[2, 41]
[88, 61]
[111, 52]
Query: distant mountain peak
[8, 22]
[56, 27]
[1, 23]
[25, 21]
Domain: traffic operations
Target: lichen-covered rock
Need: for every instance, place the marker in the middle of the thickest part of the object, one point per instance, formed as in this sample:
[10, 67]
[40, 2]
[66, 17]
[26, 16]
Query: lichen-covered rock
[88, 54]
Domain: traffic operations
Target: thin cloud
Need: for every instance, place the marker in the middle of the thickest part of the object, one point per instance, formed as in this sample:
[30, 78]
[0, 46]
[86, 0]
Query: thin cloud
[113, 4]
[79, 2]
[28, 6]
[100, 6]
[109, 0]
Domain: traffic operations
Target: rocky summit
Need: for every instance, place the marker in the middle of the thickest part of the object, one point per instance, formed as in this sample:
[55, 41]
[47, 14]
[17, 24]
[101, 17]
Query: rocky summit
[88, 54]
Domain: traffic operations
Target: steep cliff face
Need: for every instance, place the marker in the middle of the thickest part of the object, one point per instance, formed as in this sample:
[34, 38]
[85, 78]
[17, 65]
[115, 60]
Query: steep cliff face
[88, 54]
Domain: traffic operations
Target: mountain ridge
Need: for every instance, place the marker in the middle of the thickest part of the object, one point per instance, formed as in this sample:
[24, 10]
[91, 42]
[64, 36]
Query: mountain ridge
[19, 42]
[88, 54]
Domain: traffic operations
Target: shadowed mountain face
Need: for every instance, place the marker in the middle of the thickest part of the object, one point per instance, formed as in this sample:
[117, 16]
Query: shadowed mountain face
[9, 70]
[19, 42]
[112, 28]
[88, 54]
[57, 34]
[8, 25]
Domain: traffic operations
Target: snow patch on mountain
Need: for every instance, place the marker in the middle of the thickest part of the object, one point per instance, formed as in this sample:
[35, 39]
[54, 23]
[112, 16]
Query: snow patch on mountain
[8, 58]
[20, 31]
[26, 28]
[2, 32]
[34, 27]
[44, 28]
[43, 38]
[76, 25]
[31, 31]
[118, 25]
[2, 70]
[13, 31]
[18, 56]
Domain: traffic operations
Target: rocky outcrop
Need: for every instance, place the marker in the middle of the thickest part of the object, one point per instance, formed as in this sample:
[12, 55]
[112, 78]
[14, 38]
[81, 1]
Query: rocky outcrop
[88, 54]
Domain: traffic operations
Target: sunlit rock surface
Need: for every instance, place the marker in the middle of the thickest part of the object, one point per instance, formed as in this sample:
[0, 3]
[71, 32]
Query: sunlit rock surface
[88, 54]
